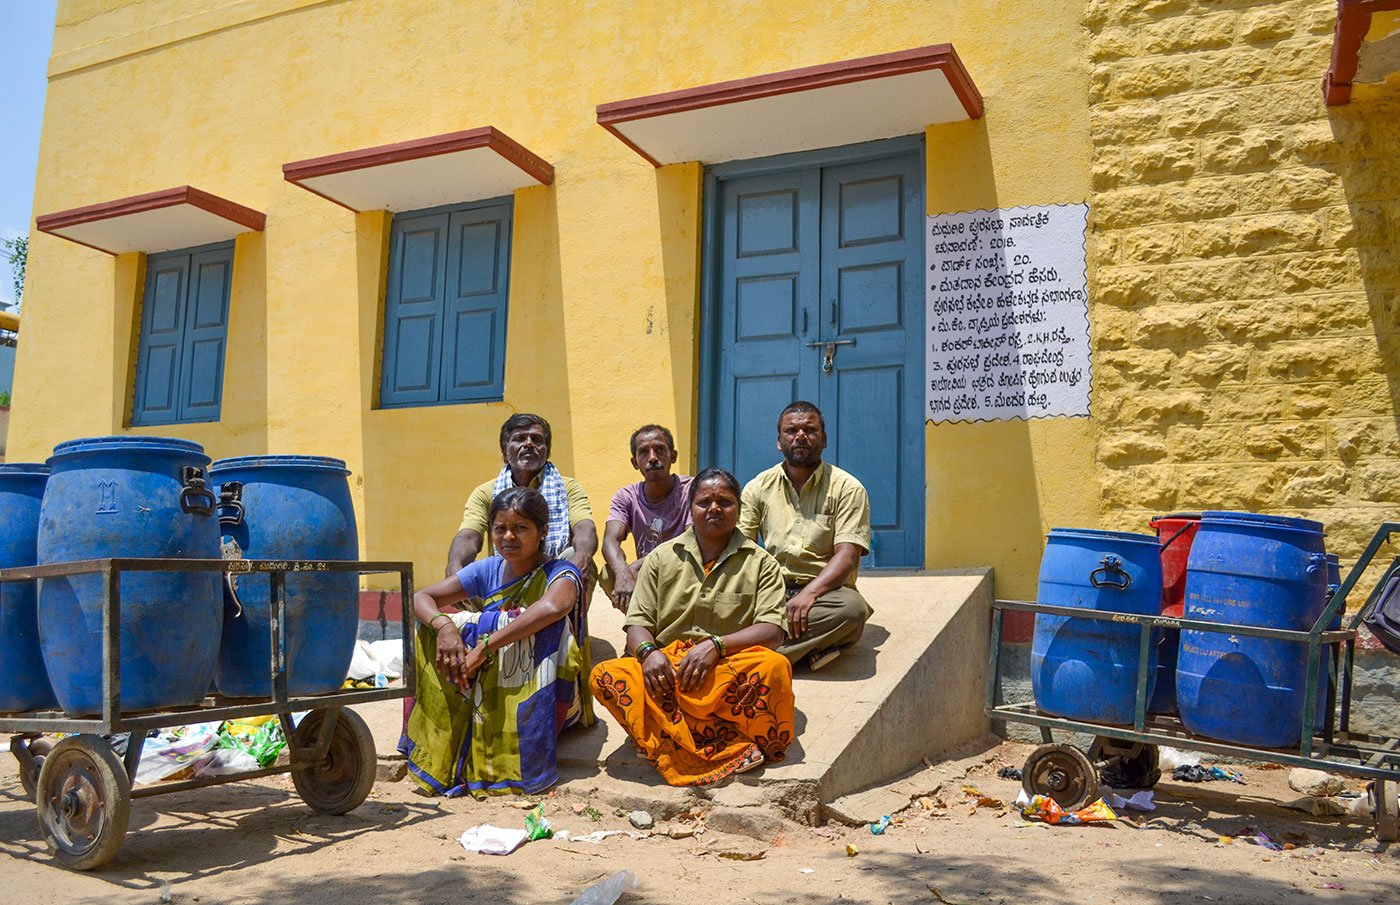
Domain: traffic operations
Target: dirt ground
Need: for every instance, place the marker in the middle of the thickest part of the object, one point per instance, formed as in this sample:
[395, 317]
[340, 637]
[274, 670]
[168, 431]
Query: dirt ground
[255, 842]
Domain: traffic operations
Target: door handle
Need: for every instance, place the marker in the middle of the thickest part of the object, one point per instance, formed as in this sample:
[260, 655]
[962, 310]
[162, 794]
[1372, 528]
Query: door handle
[829, 351]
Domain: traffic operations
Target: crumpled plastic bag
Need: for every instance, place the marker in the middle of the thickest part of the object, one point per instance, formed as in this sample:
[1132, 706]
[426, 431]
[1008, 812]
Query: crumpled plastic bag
[376, 658]
[536, 826]
[492, 840]
[259, 737]
[1046, 809]
[1140, 801]
[174, 750]
[223, 761]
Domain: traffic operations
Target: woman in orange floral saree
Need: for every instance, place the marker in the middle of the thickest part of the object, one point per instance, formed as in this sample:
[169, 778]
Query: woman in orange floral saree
[703, 695]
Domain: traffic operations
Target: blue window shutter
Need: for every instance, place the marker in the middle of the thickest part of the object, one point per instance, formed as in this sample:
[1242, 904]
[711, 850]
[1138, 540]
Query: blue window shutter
[413, 309]
[474, 329]
[161, 343]
[206, 334]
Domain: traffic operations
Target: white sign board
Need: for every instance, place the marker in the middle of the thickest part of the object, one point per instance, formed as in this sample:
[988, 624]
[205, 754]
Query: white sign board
[1008, 314]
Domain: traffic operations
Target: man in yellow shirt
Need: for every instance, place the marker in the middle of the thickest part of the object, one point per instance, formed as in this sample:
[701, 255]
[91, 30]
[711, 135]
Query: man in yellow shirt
[572, 535]
[815, 520]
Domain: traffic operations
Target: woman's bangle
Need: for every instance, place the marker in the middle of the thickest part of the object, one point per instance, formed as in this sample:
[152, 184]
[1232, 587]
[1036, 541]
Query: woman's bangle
[719, 645]
[486, 645]
[644, 650]
[435, 619]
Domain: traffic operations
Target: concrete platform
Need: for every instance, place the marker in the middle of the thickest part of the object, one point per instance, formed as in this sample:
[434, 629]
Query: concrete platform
[913, 688]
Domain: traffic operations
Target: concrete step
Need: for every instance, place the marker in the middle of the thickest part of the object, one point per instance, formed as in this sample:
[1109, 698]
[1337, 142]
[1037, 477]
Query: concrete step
[913, 688]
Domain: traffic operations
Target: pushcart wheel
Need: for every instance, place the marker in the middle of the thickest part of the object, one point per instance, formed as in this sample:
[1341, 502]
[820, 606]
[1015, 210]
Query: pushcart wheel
[1386, 810]
[1137, 769]
[1061, 772]
[30, 779]
[84, 802]
[341, 781]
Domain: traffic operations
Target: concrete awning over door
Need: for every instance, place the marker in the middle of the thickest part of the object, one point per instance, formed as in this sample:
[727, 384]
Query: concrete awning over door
[798, 110]
[182, 217]
[426, 172]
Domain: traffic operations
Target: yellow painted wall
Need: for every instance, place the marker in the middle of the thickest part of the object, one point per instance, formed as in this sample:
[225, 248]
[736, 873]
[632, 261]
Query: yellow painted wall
[605, 270]
[1247, 313]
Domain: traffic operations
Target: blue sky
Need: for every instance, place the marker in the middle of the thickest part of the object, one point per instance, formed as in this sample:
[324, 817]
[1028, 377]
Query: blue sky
[26, 35]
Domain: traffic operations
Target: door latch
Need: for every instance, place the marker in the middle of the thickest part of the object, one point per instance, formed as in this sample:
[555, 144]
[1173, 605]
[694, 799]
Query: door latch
[829, 351]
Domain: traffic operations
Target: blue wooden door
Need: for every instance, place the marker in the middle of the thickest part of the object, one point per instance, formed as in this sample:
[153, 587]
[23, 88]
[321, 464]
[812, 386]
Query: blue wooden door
[800, 259]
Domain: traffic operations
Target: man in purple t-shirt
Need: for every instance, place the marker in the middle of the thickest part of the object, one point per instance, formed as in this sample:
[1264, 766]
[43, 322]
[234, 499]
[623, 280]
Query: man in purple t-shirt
[653, 510]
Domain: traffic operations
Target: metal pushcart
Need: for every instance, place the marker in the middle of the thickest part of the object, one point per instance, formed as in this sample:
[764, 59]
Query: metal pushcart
[1071, 776]
[83, 789]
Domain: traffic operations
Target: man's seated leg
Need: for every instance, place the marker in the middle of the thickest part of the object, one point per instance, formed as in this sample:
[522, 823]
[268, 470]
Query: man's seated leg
[836, 620]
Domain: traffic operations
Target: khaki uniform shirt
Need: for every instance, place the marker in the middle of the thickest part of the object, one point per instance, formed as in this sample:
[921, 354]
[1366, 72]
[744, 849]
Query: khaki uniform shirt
[479, 506]
[802, 530]
[675, 599]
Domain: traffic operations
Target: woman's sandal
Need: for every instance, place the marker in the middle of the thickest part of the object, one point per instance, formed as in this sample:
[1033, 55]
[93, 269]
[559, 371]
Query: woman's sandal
[751, 760]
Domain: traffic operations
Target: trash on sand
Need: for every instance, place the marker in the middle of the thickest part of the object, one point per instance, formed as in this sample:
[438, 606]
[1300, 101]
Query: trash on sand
[492, 840]
[174, 750]
[536, 826]
[1010, 773]
[1170, 758]
[1042, 807]
[940, 897]
[1259, 838]
[878, 827]
[1332, 886]
[926, 803]
[596, 836]
[1141, 801]
[806, 870]
[608, 890]
[1200, 773]
[851, 850]
[1320, 807]
[987, 801]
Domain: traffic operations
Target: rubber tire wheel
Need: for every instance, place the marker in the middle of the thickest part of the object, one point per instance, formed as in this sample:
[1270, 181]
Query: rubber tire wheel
[84, 802]
[1386, 815]
[343, 780]
[1143, 770]
[1061, 772]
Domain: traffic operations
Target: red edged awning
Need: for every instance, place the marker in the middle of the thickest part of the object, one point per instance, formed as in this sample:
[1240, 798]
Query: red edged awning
[426, 172]
[182, 217]
[816, 107]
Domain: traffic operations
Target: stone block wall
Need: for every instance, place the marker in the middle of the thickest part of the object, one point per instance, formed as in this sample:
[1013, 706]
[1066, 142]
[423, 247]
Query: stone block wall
[1244, 271]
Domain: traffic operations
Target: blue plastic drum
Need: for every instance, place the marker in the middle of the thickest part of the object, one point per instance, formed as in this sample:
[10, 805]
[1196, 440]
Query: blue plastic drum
[1256, 570]
[24, 683]
[288, 507]
[130, 496]
[1087, 669]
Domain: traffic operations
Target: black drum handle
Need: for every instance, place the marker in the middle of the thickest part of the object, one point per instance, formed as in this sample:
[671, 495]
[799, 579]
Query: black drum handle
[195, 495]
[1113, 575]
[1180, 531]
[231, 497]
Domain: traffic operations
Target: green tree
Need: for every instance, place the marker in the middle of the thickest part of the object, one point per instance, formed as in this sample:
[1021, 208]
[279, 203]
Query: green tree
[17, 253]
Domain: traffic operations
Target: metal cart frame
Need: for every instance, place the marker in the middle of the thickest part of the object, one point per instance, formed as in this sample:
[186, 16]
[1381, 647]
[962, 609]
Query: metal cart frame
[83, 790]
[1070, 777]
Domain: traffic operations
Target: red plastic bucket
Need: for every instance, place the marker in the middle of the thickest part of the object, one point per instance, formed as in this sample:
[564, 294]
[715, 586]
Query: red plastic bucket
[1175, 533]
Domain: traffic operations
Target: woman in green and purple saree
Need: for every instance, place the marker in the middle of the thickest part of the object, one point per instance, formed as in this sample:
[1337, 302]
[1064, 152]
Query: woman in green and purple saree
[497, 686]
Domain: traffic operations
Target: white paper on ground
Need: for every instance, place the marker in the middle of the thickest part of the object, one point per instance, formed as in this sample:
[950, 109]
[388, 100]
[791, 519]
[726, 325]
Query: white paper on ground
[492, 840]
